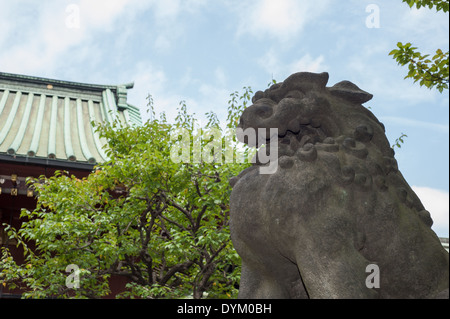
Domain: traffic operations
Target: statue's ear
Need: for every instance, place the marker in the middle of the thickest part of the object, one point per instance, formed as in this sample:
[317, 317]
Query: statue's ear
[349, 91]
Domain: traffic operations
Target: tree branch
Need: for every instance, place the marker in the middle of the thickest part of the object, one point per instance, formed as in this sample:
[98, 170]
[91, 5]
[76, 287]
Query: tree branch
[175, 269]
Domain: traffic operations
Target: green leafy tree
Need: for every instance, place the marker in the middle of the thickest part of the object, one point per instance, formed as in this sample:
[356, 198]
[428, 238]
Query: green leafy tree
[429, 71]
[399, 141]
[162, 225]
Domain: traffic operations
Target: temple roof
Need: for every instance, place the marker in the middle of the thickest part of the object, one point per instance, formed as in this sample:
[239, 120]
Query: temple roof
[44, 120]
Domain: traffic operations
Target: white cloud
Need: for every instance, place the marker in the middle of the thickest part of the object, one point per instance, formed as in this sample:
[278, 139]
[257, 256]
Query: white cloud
[168, 20]
[380, 75]
[404, 122]
[168, 9]
[421, 24]
[270, 62]
[280, 68]
[214, 98]
[437, 203]
[187, 79]
[280, 19]
[47, 35]
[104, 13]
[202, 96]
[167, 12]
[152, 80]
[5, 26]
[308, 64]
[162, 43]
[221, 77]
[52, 29]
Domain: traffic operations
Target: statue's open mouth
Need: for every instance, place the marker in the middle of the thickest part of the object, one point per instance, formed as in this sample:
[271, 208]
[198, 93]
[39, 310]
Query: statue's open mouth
[293, 136]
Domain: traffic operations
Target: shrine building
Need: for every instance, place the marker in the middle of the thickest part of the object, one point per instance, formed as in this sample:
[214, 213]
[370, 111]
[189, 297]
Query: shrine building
[45, 126]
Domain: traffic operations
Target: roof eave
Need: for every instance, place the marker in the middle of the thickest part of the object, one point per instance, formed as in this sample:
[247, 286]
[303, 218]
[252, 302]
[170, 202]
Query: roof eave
[47, 162]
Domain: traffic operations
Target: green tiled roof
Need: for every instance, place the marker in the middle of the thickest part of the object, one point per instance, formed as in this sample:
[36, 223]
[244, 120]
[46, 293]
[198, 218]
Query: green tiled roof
[51, 119]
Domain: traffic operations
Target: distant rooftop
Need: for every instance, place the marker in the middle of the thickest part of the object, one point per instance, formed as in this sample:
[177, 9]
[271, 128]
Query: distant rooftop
[444, 242]
[50, 120]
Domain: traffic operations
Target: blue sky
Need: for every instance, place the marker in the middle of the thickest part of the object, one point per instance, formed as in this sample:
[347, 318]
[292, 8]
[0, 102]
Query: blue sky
[200, 51]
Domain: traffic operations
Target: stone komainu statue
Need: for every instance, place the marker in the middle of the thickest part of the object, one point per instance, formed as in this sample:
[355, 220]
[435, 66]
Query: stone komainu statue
[336, 204]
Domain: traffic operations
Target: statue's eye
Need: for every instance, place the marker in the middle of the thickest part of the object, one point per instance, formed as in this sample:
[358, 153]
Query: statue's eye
[264, 111]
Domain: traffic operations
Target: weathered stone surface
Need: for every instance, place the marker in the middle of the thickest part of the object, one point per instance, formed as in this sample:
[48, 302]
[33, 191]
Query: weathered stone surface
[336, 204]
